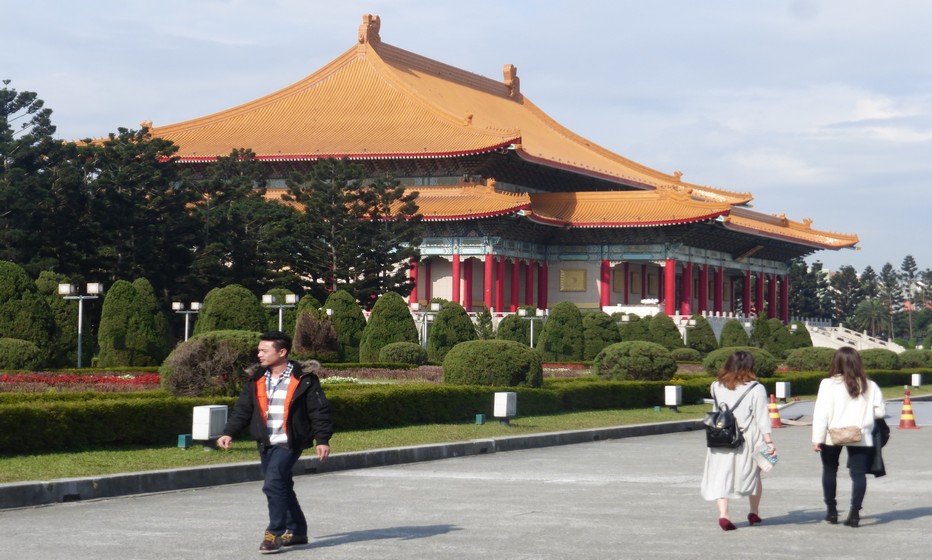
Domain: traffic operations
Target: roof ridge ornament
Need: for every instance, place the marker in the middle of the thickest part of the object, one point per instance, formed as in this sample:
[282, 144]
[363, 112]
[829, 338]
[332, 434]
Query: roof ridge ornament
[512, 81]
[369, 30]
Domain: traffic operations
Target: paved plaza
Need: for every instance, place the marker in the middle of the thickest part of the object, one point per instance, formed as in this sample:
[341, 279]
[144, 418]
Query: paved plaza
[634, 497]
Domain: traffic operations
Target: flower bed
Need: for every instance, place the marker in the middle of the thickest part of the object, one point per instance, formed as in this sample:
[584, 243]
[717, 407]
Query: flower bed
[45, 382]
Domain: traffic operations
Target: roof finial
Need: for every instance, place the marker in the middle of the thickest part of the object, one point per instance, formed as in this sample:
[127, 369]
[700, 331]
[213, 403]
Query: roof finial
[512, 81]
[369, 30]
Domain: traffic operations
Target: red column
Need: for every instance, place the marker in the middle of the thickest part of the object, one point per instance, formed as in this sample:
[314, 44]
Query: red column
[627, 288]
[500, 285]
[427, 280]
[772, 296]
[746, 293]
[785, 299]
[467, 285]
[605, 288]
[487, 280]
[719, 294]
[456, 278]
[703, 288]
[686, 289]
[529, 282]
[542, 286]
[515, 284]
[412, 274]
[759, 294]
[669, 287]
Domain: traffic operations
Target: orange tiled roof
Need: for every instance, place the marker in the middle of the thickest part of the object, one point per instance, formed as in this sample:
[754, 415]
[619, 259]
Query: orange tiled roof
[378, 101]
[780, 227]
[622, 209]
[607, 210]
[467, 202]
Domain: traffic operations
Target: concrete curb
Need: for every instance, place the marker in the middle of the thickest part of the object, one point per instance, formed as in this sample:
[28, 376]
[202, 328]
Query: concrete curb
[29, 494]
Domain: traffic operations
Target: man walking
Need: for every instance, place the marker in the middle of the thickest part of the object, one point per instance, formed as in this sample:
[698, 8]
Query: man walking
[287, 412]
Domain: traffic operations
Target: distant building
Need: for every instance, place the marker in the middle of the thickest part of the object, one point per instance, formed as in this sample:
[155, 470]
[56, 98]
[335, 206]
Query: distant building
[519, 209]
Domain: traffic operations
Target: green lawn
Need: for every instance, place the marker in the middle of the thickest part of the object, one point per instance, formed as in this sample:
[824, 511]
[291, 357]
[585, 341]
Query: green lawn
[52, 466]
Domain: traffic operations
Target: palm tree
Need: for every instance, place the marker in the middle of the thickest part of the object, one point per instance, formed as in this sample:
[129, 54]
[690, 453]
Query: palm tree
[869, 315]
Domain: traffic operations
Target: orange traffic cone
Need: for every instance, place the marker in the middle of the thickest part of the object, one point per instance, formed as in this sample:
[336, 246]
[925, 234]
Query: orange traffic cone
[775, 421]
[907, 420]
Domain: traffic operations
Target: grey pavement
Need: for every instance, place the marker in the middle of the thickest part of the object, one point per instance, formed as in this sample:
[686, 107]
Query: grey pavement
[632, 497]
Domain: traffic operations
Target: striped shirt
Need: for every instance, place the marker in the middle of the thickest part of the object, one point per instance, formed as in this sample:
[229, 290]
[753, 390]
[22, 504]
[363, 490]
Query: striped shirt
[277, 391]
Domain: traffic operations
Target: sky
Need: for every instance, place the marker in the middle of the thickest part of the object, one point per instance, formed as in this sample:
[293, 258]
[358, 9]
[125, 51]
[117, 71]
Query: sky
[821, 109]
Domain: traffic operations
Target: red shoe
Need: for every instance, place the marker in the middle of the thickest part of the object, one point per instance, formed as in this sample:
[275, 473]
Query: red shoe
[726, 525]
[753, 518]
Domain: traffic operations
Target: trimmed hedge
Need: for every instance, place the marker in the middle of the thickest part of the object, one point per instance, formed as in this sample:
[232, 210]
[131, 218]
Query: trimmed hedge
[764, 362]
[493, 362]
[686, 355]
[879, 358]
[212, 363]
[16, 353]
[635, 360]
[38, 423]
[818, 358]
[403, 352]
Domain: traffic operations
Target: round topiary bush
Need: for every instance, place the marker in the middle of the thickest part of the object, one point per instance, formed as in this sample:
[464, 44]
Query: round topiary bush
[818, 358]
[686, 355]
[599, 331]
[503, 363]
[210, 364]
[561, 337]
[635, 360]
[451, 327]
[19, 354]
[664, 332]
[915, 358]
[390, 321]
[764, 361]
[733, 334]
[403, 353]
[879, 358]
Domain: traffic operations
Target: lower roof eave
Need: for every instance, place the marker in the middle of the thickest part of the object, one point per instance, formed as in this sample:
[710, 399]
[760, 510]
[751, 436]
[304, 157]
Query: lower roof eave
[359, 156]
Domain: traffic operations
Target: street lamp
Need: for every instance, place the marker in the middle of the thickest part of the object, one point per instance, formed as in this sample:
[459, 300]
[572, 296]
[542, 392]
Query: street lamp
[269, 300]
[178, 307]
[69, 291]
[538, 315]
[690, 324]
[426, 316]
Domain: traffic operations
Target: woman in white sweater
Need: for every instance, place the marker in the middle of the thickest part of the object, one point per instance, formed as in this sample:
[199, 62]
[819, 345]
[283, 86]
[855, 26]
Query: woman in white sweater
[846, 398]
[735, 473]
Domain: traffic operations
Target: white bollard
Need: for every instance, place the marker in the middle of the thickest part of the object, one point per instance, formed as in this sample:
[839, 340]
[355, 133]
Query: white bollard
[505, 407]
[917, 380]
[673, 396]
[783, 390]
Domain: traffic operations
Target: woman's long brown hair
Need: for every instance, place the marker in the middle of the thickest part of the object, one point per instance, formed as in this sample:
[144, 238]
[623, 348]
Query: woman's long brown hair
[738, 368]
[847, 364]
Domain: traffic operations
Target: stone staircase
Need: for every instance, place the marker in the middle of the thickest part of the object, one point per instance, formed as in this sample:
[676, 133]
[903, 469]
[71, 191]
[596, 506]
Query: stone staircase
[837, 337]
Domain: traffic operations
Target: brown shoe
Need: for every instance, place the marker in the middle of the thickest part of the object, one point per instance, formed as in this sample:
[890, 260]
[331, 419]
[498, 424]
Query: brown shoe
[271, 544]
[290, 539]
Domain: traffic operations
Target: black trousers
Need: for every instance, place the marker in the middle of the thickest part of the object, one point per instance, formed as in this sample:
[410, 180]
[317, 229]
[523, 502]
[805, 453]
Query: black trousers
[859, 459]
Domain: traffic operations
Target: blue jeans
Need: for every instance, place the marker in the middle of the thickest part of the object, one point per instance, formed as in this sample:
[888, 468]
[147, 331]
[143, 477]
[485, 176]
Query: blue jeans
[284, 511]
[858, 460]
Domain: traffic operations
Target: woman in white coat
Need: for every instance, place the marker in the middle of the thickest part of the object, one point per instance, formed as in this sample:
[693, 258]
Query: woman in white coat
[735, 473]
[846, 398]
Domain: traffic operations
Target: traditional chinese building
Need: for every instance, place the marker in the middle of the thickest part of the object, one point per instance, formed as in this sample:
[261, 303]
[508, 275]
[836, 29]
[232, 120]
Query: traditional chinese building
[519, 209]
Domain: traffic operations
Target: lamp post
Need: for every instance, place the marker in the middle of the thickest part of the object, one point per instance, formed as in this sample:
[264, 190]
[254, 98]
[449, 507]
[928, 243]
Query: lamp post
[538, 315]
[269, 301]
[425, 317]
[690, 324]
[178, 307]
[69, 291]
